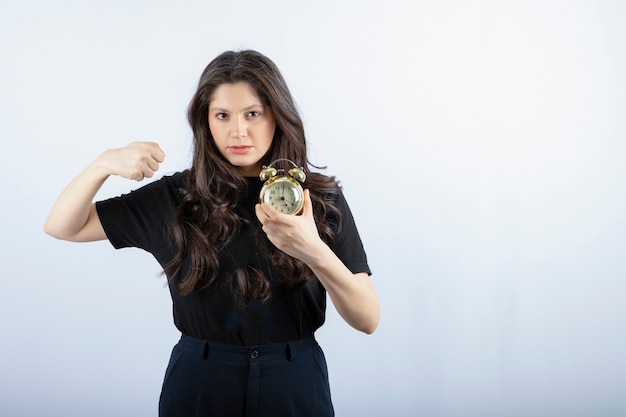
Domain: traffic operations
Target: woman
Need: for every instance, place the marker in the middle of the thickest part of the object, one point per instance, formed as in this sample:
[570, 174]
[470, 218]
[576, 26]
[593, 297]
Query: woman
[248, 283]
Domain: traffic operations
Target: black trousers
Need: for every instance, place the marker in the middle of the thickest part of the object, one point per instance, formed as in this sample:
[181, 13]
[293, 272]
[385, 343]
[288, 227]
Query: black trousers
[273, 380]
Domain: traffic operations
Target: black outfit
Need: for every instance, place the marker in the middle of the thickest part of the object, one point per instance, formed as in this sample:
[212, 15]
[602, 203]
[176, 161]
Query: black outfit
[216, 334]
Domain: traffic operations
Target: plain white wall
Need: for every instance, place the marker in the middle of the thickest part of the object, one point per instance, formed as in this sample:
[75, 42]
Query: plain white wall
[481, 147]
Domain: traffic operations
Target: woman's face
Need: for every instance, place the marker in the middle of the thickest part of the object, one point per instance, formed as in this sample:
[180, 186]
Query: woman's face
[241, 125]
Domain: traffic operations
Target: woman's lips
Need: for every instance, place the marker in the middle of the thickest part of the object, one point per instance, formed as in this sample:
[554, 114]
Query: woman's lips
[240, 149]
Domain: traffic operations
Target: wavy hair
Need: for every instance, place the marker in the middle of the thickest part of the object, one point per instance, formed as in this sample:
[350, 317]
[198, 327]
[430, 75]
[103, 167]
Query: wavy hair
[205, 221]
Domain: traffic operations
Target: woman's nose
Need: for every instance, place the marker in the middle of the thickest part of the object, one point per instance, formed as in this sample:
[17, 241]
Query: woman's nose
[239, 128]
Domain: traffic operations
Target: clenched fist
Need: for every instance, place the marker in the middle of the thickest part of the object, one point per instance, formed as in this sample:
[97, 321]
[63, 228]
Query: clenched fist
[135, 161]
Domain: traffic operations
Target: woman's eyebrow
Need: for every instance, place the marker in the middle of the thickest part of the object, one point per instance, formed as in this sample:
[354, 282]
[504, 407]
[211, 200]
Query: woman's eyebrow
[244, 109]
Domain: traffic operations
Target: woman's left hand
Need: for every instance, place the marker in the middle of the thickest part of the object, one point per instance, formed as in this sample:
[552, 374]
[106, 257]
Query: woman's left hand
[297, 236]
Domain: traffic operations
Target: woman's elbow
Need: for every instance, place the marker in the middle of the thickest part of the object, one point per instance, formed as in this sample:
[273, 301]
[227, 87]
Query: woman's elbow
[370, 329]
[49, 229]
[56, 233]
[59, 232]
[370, 325]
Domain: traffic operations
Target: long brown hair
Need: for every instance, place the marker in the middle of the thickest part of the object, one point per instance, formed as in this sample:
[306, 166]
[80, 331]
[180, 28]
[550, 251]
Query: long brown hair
[205, 221]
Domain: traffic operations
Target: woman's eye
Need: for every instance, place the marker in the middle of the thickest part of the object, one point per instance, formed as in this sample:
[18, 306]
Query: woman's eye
[253, 114]
[221, 116]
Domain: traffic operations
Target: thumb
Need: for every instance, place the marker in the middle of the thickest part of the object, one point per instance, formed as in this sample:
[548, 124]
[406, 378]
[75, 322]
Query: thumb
[307, 208]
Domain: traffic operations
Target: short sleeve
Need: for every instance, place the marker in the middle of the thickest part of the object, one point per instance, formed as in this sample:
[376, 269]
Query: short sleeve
[348, 245]
[140, 218]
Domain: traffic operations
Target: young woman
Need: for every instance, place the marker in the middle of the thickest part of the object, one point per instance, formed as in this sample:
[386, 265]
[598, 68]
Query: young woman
[248, 282]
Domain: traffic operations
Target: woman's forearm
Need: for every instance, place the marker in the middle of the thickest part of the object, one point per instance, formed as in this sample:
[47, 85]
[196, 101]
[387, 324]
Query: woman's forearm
[353, 295]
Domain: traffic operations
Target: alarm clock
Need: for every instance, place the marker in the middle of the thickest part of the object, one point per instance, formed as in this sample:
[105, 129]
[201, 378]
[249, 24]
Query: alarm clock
[282, 191]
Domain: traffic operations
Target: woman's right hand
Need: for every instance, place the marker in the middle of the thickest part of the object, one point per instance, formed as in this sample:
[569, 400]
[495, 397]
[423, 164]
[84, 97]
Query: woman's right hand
[135, 161]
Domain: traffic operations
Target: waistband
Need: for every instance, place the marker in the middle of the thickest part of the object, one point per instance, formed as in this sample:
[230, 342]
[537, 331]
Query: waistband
[270, 351]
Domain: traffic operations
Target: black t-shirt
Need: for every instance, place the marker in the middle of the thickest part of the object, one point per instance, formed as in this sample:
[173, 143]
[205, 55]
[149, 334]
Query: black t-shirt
[141, 219]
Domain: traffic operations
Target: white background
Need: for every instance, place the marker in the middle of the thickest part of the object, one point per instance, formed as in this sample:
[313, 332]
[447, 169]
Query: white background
[480, 145]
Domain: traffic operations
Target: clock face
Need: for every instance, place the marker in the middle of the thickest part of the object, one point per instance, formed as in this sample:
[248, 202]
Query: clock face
[283, 194]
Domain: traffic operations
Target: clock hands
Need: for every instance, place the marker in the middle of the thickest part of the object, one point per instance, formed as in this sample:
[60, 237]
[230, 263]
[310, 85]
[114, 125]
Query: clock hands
[282, 197]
